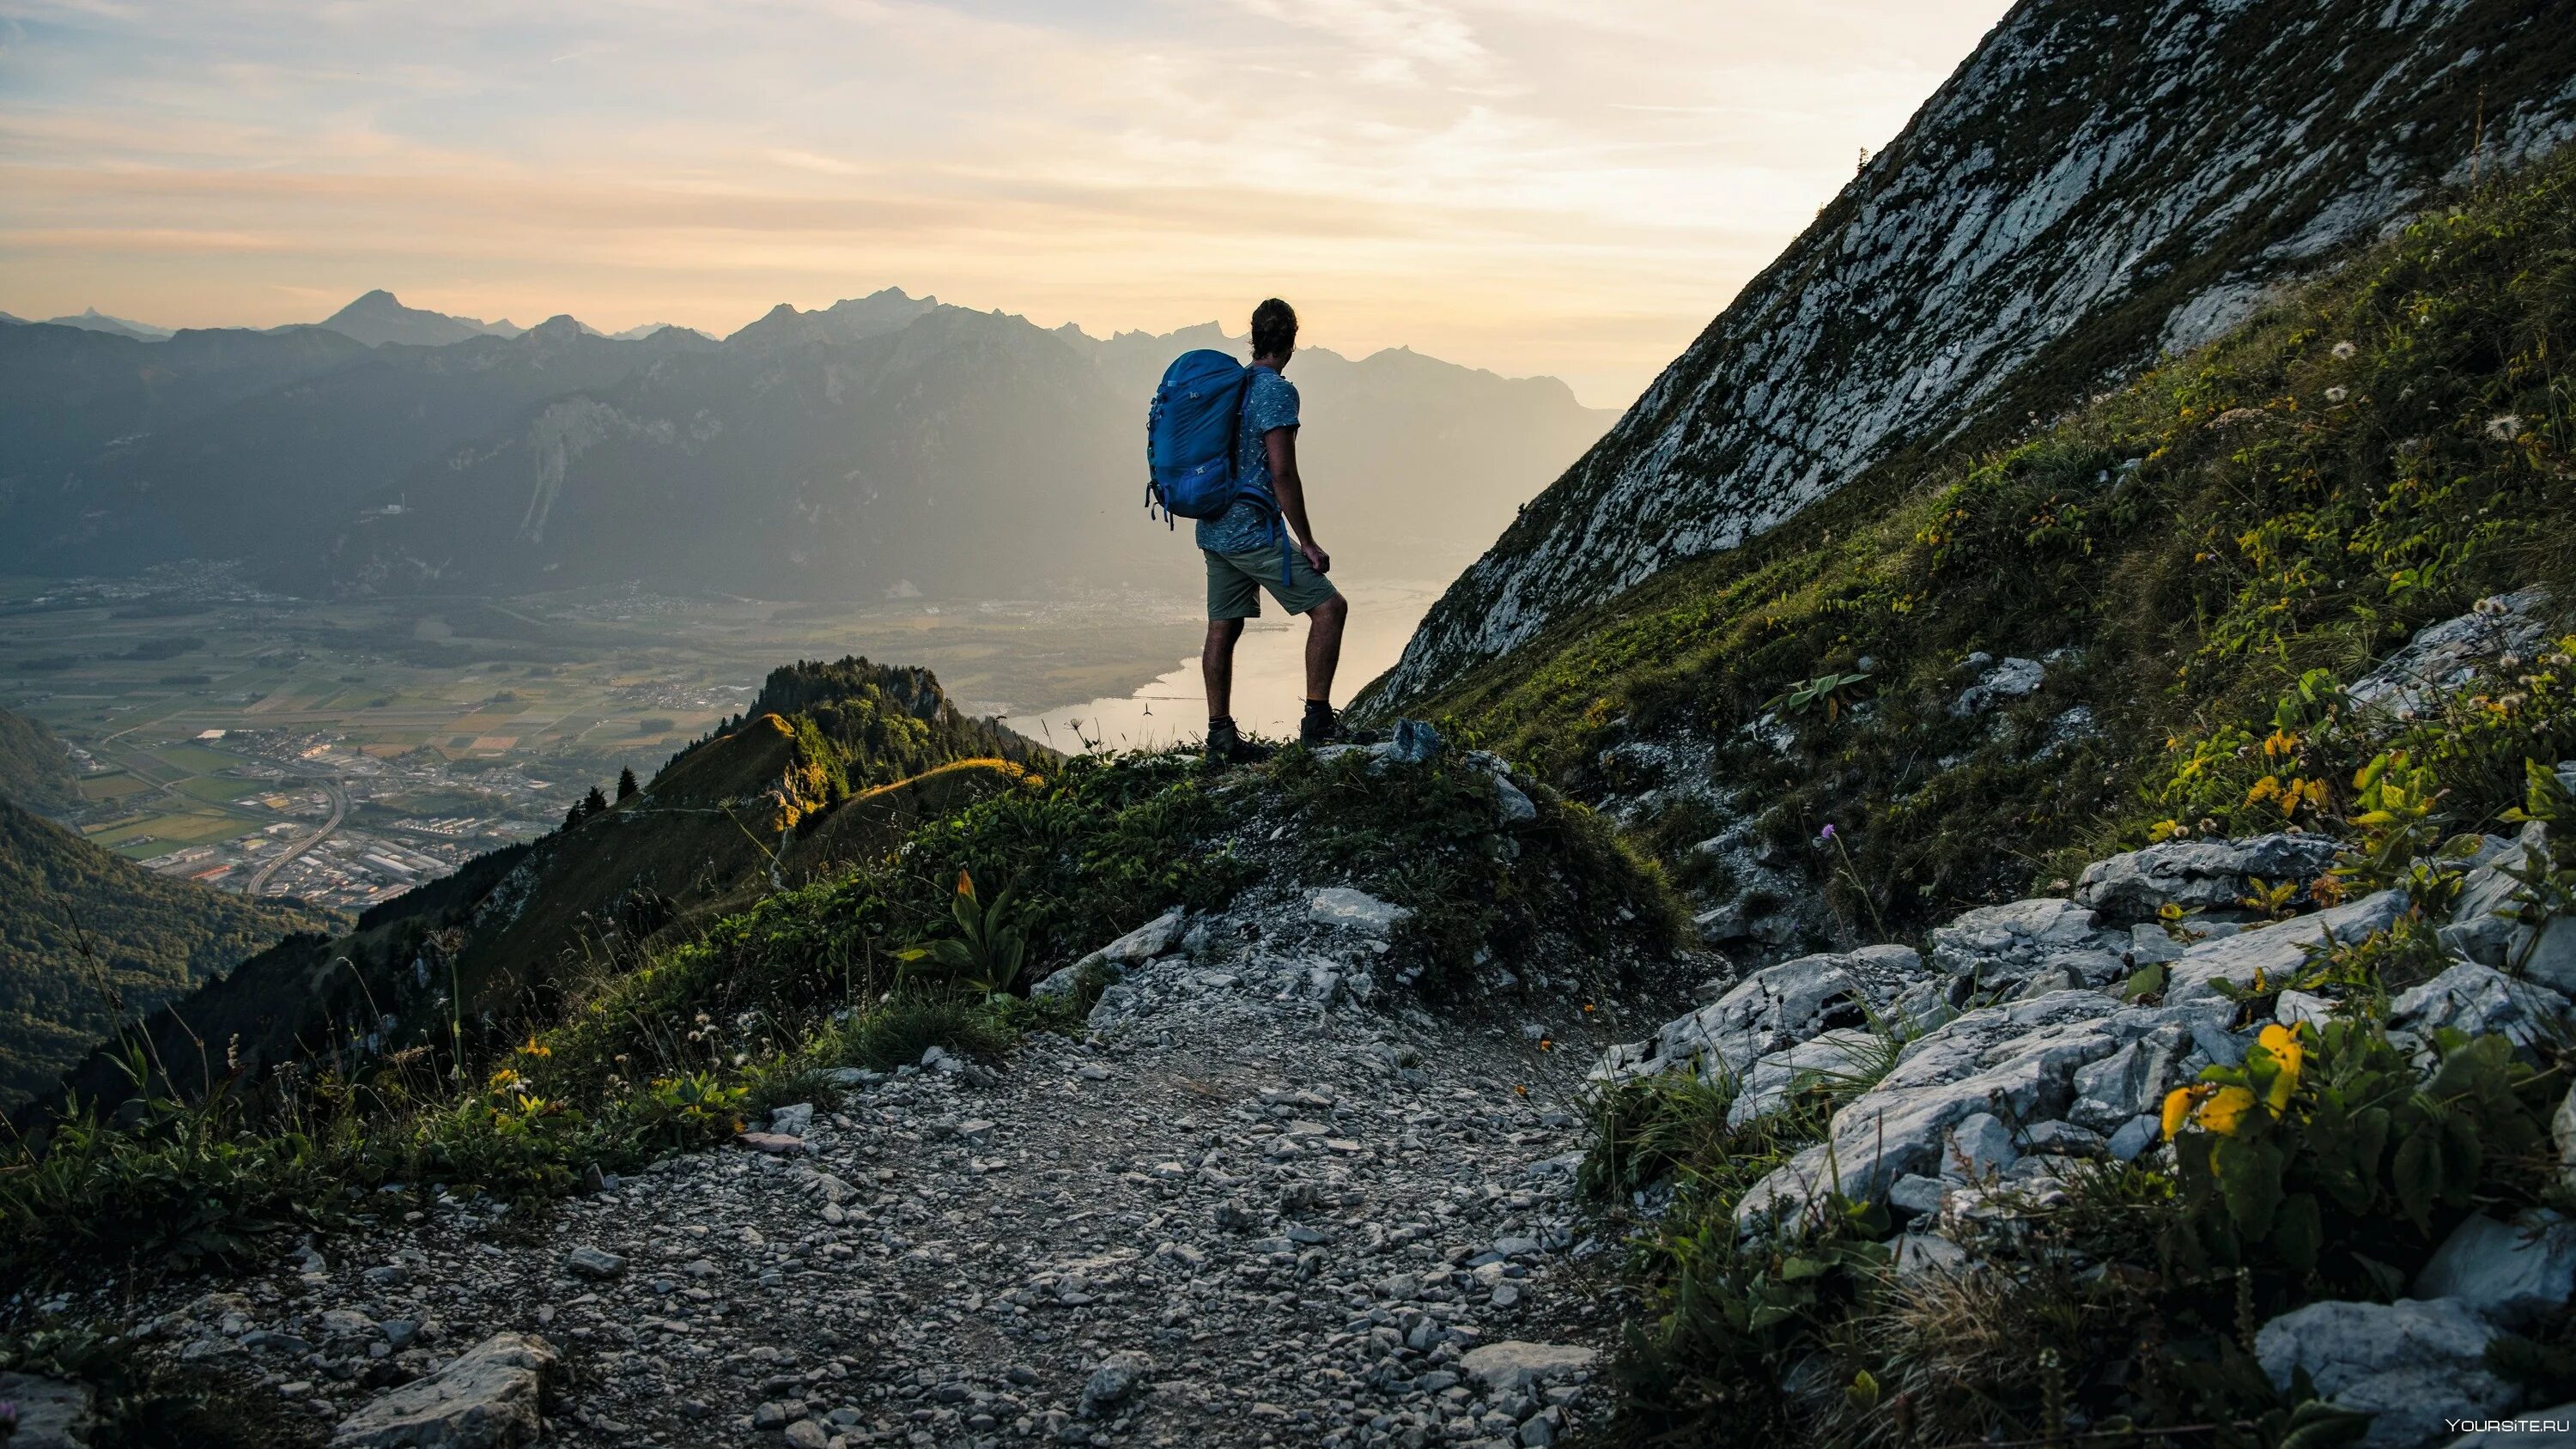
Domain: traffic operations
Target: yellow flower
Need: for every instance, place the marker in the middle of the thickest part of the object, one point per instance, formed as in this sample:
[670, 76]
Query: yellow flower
[2178, 1105]
[2225, 1110]
[504, 1077]
[536, 1048]
[965, 884]
[2289, 1054]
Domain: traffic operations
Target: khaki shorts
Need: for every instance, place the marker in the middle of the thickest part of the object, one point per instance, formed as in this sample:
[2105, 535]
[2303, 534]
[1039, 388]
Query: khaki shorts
[1235, 582]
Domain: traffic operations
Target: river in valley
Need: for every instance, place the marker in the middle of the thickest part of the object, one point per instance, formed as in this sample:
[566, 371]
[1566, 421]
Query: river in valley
[1269, 678]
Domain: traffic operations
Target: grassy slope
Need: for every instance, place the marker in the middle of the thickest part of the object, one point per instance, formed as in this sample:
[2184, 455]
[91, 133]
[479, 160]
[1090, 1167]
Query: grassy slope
[151, 936]
[2205, 536]
[34, 771]
[2226, 541]
[671, 1034]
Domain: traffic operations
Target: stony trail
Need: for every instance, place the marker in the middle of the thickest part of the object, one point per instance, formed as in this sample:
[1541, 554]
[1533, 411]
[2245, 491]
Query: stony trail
[1235, 1216]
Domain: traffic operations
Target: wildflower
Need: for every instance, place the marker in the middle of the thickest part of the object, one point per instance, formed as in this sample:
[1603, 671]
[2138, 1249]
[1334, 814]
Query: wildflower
[1547, 1044]
[1587, 1008]
[2225, 1110]
[2288, 1054]
[505, 1078]
[2178, 1105]
[1520, 1090]
[536, 1048]
[1826, 834]
[965, 884]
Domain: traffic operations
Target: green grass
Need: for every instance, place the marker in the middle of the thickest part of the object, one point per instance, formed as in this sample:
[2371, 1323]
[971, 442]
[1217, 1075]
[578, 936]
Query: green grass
[663, 1033]
[2229, 542]
[2299, 497]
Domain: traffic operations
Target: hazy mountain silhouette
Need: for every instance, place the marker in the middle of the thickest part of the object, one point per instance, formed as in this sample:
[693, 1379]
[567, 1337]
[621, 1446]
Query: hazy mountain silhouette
[379, 317]
[883, 442]
[94, 320]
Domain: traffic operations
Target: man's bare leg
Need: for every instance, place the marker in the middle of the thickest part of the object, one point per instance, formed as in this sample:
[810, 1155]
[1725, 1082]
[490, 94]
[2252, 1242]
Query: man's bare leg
[1216, 666]
[1324, 647]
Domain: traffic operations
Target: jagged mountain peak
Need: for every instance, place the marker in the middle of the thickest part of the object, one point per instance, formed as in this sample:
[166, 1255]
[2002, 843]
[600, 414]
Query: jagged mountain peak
[2089, 187]
[377, 317]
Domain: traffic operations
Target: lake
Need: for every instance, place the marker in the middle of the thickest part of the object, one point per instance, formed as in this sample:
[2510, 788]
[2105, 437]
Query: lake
[1269, 677]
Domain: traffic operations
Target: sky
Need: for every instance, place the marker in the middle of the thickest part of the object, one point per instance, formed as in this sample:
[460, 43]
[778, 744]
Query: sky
[1533, 186]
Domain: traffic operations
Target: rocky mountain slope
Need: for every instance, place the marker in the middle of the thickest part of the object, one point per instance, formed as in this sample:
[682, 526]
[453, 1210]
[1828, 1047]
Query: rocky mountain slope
[2090, 188]
[87, 938]
[885, 444]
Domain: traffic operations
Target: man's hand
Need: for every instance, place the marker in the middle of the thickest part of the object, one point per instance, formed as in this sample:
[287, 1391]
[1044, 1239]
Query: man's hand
[1316, 559]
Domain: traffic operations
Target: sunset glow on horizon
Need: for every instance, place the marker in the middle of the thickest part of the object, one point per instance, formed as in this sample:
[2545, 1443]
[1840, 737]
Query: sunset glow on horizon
[1531, 186]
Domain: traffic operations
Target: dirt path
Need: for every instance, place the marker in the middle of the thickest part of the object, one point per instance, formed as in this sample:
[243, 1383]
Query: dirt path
[1236, 1217]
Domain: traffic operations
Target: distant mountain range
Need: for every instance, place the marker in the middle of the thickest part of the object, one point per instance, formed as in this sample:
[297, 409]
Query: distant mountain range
[887, 445]
[94, 320]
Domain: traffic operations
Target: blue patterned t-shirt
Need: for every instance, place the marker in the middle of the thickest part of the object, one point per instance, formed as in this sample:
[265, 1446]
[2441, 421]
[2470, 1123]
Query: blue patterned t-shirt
[1269, 401]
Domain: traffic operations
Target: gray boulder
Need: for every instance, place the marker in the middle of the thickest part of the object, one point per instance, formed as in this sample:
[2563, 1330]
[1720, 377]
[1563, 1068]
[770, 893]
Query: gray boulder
[2506, 1273]
[2010, 680]
[2006, 947]
[1355, 911]
[1112, 1382]
[2415, 1364]
[1842, 1052]
[2130, 1082]
[2481, 1001]
[1772, 1010]
[52, 1413]
[2442, 657]
[2277, 951]
[2197, 874]
[487, 1399]
[1516, 1367]
[1155, 938]
[2562, 1131]
[2017, 1060]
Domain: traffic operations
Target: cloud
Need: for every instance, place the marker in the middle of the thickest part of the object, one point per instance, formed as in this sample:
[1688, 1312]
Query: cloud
[1528, 185]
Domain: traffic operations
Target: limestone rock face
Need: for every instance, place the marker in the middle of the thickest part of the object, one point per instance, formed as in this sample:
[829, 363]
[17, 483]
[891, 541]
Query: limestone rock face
[2277, 951]
[1774, 1010]
[487, 1399]
[2011, 945]
[2000, 257]
[2507, 1273]
[2198, 874]
[2414, 1364]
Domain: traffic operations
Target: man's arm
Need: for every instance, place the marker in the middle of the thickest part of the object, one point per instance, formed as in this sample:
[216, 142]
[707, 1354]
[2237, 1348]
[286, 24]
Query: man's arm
[1291, 490]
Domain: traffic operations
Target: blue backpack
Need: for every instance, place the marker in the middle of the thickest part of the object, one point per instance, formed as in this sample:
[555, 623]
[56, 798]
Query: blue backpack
[1189, 443]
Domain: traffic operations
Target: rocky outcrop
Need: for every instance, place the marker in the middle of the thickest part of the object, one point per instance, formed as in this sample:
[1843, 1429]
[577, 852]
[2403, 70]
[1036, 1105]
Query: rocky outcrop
[2198, 875]
[2088, 188]
[2415, 1365]
[487, 1399]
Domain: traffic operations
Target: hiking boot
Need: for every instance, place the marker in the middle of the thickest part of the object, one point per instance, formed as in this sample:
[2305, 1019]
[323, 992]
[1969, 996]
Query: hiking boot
[1227, 746]
[1320, 726]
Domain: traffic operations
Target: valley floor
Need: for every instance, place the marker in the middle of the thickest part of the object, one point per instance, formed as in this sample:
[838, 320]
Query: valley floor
[1235, 1217]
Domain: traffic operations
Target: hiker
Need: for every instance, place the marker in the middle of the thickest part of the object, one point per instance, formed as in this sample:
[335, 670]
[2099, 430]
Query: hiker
[1247, 551]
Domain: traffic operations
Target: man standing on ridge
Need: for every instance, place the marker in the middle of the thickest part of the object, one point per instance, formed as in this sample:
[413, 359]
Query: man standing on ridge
[1243, 548]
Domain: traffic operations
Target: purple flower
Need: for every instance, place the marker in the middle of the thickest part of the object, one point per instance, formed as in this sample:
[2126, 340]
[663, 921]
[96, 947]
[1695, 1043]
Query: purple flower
[1827, 833]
